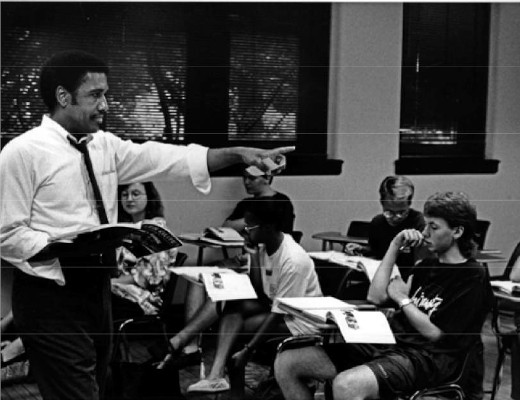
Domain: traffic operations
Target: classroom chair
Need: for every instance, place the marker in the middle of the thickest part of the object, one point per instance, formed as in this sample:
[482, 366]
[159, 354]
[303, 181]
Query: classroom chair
[504, 339]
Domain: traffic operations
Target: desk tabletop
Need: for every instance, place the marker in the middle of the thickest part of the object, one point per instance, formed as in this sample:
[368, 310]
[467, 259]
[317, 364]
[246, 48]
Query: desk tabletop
[197, 240]
[484, 256]
[338, 237]
[504, 296]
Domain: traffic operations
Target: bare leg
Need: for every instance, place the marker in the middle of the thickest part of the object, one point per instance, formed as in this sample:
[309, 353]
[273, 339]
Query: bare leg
[195, 299]
[203, 319]
[294, 368]
[357, 383]
[231, 324]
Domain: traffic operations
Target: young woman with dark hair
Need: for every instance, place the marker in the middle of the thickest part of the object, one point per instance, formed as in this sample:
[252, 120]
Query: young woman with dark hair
[141, 280]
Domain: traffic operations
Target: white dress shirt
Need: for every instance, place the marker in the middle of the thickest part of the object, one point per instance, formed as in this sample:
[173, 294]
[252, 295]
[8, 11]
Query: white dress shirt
[45, 190]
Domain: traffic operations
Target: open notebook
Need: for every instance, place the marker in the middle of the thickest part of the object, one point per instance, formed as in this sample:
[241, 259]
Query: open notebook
[367, 265]
[356, 326]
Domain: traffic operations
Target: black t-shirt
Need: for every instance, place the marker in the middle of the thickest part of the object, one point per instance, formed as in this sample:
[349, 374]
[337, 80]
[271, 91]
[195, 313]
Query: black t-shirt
[456, 297]
[381, 234]
[288, 210]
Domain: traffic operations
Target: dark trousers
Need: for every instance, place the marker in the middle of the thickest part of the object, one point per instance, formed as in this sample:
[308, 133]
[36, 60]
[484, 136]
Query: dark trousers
[67, 330]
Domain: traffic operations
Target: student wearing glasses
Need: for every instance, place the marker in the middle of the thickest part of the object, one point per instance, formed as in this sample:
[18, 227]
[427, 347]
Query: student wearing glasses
[279, 268]
[395, 194]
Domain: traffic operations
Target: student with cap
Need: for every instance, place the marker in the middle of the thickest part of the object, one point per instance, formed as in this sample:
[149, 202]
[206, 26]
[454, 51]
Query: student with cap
[258, 184]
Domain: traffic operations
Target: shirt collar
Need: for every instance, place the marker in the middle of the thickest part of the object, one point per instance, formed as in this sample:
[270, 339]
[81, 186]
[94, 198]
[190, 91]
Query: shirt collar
[48, 122]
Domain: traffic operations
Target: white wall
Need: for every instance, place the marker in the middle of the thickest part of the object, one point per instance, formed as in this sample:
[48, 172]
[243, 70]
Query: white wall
[364, 121]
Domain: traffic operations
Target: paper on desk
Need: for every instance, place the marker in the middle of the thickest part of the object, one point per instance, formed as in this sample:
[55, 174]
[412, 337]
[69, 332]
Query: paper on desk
[224, 286]
[363, 326]
[193, 274]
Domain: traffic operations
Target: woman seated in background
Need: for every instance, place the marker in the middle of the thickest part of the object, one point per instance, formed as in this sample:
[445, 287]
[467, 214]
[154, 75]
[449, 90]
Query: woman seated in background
[140, 282]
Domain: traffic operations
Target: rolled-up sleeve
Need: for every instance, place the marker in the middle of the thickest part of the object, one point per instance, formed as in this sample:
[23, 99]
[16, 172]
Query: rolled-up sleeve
[159, 161]
[18, 242]
[197, 158]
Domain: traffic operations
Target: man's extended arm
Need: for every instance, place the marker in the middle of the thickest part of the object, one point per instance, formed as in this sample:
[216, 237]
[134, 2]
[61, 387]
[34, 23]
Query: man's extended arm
[225, 157]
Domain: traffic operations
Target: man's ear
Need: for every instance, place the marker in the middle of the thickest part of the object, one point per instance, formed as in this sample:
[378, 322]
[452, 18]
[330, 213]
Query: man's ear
[63, 96]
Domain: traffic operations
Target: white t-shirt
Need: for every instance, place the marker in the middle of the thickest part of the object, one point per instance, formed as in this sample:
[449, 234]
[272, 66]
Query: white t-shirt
[290, 272]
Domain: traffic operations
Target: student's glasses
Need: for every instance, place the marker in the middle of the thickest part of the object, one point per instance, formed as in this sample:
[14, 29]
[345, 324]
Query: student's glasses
[391, 214]
[248, 229]
[135, 194]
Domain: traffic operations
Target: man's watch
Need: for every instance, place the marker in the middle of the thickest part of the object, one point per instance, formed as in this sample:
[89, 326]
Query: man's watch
[404, 302]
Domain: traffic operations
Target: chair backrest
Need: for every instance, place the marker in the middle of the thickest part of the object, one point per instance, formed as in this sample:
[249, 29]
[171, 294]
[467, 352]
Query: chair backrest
[481, 230]
[180, 259]
[511, 262]
[297, 236]
[169, 288]
[358, 229]
[332, 278]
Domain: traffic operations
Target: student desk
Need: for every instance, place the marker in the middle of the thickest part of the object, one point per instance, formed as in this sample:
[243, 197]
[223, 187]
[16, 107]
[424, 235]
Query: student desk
[329, 238]
[193, 239]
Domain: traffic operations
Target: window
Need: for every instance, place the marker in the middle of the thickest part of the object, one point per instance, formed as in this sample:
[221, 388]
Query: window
[444, 89]
[218, 74]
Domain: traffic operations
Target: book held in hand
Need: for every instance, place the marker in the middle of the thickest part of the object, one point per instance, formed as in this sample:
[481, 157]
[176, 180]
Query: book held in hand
[142, 238]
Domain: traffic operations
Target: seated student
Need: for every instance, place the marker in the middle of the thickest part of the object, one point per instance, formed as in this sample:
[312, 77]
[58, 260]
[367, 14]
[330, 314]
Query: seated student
[258, 184]
[515, 345]
[140, 282]
[395, 193]
[441, 307]
[279, 268]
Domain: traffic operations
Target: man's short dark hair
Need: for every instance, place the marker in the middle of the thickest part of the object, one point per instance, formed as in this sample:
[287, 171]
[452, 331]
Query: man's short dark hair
[269, 211]
[396, 188]
[67, 69]
[456, 210]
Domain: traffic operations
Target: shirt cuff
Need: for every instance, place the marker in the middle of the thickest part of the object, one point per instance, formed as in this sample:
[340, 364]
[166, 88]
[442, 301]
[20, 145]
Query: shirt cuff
[197, 158]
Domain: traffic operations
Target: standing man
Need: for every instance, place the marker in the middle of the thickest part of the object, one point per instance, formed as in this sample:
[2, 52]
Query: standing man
[62, 177]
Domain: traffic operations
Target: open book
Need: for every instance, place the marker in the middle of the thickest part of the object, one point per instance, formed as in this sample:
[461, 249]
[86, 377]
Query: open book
[367, 265]
[220, 283]
[140, 238]
[508, 287]
[356, 326]
[222, 235]
[312, 309]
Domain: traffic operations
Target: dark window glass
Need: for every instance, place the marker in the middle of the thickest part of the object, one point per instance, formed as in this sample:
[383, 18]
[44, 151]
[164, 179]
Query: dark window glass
[444, 80]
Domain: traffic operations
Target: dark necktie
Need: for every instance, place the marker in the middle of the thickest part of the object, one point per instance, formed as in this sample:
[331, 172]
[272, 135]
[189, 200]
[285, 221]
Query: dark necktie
[82, 148]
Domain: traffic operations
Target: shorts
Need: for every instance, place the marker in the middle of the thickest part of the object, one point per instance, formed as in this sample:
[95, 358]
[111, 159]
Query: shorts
[397, 370]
